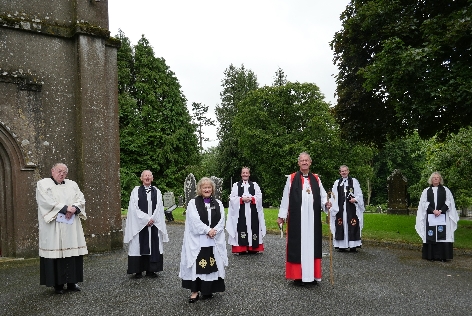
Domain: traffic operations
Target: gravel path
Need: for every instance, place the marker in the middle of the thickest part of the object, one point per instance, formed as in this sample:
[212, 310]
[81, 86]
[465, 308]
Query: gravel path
[375, 281]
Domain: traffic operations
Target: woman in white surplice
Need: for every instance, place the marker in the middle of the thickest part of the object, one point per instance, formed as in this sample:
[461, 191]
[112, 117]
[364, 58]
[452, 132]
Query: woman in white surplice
[436, 220]
[204, 255]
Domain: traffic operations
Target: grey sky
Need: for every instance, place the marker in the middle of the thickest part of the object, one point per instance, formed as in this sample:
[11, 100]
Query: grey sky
[200, 39]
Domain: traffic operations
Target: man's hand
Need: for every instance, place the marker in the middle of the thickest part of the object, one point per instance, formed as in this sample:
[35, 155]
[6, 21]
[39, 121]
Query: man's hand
[280, 221]
[212, 233]
[247, 199]
[70, 211]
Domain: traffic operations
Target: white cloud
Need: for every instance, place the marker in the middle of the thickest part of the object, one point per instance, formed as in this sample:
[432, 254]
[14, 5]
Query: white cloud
[200, 39]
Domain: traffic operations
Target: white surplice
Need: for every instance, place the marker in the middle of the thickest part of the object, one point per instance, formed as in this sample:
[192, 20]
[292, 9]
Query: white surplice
[307, 230]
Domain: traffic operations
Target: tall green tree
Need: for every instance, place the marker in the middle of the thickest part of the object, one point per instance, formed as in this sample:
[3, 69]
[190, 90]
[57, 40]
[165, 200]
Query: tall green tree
[275, 124]
[403, 66]
[200, 119]
[156, 131]
[452, 158]
[236, 84]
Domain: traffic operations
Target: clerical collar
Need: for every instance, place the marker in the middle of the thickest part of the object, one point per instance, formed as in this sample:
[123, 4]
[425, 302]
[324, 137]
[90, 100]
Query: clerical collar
[206, 200]
[305, 175]
[63, 182]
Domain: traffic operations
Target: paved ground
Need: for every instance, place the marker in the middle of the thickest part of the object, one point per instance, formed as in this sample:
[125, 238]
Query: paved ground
[376, 281]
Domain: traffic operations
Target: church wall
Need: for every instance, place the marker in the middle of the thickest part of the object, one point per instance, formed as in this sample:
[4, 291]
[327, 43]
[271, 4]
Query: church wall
[58, 103]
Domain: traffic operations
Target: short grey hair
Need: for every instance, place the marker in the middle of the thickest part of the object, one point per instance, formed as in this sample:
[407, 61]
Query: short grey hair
[57, 164]
[304, 154]
[144, 172]
[343, 166]
[430, 180]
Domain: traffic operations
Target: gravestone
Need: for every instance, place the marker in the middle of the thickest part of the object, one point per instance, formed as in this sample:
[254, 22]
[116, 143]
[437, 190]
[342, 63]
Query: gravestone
[218, 187]
[181, 201]
[169, 205]
[397, 194]
[190, 189]
[169, 199]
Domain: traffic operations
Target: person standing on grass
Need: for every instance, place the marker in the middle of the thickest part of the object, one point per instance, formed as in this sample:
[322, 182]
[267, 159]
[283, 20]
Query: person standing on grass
[436, 220]
[347, 213]
[303, 200]
[61, 209]
[245, 224]
[145, 229]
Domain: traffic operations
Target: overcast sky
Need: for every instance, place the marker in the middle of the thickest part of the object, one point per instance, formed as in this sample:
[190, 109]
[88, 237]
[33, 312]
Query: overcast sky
[200, 39]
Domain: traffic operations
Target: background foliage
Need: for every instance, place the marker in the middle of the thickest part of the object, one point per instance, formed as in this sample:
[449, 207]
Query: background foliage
[404, 91]
[156, 131]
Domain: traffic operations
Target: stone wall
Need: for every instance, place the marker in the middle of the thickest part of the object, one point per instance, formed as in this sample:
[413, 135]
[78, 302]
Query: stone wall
[58, 103]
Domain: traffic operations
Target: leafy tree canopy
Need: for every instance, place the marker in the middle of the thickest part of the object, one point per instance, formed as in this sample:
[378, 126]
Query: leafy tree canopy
[404, 65]
[156, 132]
[275, 124]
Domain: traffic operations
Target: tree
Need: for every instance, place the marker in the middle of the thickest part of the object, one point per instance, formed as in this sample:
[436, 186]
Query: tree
[280, 78]
[156, 132]
[275, 124]
[208, 165]
[403, 66]
[407, 154]
[237, 83]
[452, 158]
[199, 120]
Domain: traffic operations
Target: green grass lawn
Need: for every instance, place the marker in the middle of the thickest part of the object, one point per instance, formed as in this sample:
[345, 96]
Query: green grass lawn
[378, 227]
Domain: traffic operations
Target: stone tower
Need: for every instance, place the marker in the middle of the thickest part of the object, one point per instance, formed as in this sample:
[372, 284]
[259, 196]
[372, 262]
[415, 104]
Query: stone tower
[58, 103]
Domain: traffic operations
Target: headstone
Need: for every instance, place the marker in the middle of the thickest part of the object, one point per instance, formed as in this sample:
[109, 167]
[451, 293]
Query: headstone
[397, 194]
[169, 199]
[169, 205]
[190, 189]
[218, 187]
[181, 201]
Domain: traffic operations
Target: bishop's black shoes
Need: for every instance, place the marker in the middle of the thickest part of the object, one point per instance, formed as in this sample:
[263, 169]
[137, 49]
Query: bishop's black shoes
[73, 287]
[151, 274]
[59, 289]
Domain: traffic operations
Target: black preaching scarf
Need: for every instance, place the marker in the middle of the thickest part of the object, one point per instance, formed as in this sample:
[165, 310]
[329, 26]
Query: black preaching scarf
[353, 229]
[206, 260]
[144, 233]
[242, 226]
[294, 218]
[434, 233]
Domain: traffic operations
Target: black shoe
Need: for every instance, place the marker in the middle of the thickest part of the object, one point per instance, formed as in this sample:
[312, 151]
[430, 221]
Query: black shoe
[73, 287]
[138, 275]
[59, 289]
[342, 250]
[194, 299]
[151, 274]
[353, 250]
[207, 296]
[298, 282]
